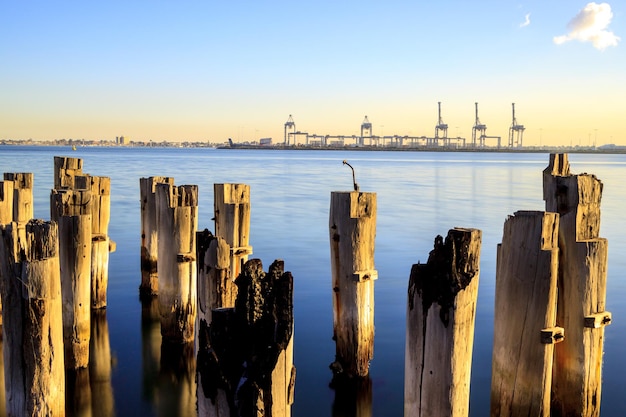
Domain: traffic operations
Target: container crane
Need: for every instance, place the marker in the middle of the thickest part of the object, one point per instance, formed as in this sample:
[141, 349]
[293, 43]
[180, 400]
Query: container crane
[516, 132]
[290, 126]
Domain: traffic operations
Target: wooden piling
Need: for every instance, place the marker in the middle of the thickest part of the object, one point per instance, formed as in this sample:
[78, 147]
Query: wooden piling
[525, 315]
[232, 221]
[23, 208]
[177, 221]
[149, 243]
[258, 332]
[577, 371]
[6, 202]
[352, 227]
[216, 288]
[31, 293]
[441, 311]
[101, 244]
[71, 209]
[65, 171]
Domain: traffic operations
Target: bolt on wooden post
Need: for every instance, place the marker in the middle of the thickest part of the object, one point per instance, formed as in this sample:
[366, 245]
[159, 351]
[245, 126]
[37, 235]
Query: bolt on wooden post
[577, 372]
[232, 221]
[525, 315]
[441, 312]
[33, 342]
[177, 221]
[71, 209]
[149, 243]
[352, 227]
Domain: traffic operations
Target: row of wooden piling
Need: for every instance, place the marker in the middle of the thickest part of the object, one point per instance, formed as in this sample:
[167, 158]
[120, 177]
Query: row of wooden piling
[53, 273]
[549, 308]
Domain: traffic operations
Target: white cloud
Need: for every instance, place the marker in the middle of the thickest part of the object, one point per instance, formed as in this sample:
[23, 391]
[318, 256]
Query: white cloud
[590, 25]
[526, 21]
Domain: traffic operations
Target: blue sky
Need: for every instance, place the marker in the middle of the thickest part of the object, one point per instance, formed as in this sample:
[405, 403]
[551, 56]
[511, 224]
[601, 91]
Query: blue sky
[209, 71]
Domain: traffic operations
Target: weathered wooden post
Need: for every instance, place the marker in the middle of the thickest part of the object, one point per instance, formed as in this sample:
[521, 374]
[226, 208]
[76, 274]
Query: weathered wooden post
[177, 221]
[577, 372]
[352, 232]
[71, 209]
[232, 221]
[6, 215]
[525, 315]
[216, 288]
[101, 244]
[441, 312]
[33, 333]
[6, 202]
[353, 397]
[149, 243]
[23, 208]
[65, 171]
[245, 357]
[103, 404]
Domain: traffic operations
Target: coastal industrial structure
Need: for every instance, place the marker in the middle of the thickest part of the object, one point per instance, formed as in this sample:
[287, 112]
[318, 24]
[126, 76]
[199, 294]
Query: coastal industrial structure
[367, 138]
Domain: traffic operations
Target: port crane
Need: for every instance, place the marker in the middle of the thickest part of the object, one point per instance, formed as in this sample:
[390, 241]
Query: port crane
[290, 129]
[366, 131]
[440, 127]
[479, 131]
[516, 132]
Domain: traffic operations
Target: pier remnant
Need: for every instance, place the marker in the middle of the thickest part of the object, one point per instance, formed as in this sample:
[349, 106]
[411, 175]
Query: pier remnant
[577, 372]
[149, 242]
[441, 313]
[71, 209]
[177, 221]
[33, 331]
[352, 227]
[245, 358]
[232, 221]
[525, 328]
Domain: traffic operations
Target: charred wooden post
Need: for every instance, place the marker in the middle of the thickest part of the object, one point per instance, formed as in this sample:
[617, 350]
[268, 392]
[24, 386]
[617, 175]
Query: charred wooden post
[232, 221]
[103, 404]
[352, 232]
[216, 288]
[65, 171]
[257, 332]
[525, 315]
[441, 311]
[71, 209]
[33, 333]
[577, 372]
[149, 243]
[177, 221]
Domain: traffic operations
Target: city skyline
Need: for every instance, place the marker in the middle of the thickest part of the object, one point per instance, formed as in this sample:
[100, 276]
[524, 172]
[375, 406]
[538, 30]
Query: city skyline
[209, 72]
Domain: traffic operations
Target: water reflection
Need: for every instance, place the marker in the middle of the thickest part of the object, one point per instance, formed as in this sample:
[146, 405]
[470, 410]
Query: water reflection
[353, 397]
[3, 400]
[150, 346]
[177, 380]
[78, 394]
[100, 366]
[169, 370]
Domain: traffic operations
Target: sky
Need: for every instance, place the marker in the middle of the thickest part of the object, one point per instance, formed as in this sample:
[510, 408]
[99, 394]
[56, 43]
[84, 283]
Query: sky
[207, 71]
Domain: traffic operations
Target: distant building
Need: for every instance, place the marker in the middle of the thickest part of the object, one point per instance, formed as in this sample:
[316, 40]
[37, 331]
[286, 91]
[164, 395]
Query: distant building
[265, 141]
[123, 140]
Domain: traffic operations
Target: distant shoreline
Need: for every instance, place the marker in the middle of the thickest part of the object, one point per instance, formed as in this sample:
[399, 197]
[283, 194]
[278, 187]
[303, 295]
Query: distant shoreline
[533, 149]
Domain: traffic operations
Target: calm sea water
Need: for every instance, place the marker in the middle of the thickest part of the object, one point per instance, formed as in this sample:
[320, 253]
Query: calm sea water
[420, 195]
